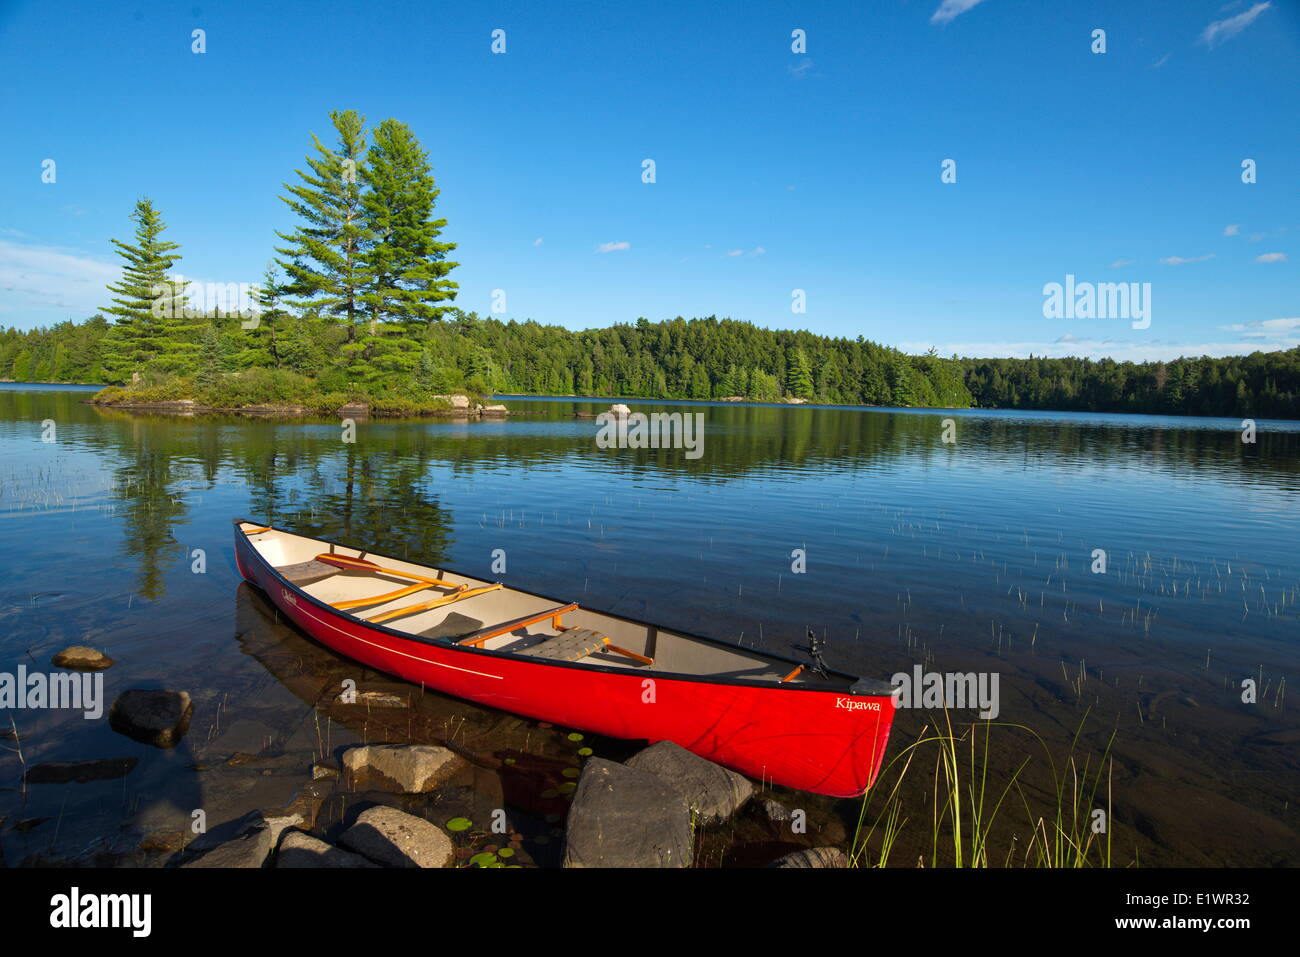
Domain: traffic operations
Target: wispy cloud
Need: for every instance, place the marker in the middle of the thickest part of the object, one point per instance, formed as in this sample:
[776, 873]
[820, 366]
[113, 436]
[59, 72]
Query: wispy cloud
[1179, 260]
[1121, 263]
[1222, 30]
[950, 10]
[801, 69]
[613, 247]
[1233, 230]
[537, 241]
[1161, 62]
[756, 251]
[1284, 333]
[37, 280]
[1271, 258]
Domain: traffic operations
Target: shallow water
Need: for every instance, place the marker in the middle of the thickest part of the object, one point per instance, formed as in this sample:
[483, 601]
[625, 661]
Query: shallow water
[974, 555]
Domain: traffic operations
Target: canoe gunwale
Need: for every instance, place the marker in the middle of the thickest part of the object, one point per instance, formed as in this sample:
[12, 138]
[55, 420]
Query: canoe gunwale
[336, 614]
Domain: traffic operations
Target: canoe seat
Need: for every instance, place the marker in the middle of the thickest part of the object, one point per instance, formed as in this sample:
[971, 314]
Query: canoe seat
[571, 645]
[304, 573]
[453, 627]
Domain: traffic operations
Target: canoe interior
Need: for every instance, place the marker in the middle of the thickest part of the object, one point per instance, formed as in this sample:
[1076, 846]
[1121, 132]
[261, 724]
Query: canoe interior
[672, 653]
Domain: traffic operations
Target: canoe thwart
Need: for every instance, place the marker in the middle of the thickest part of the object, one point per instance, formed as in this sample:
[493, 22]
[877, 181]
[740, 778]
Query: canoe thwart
[478, 637]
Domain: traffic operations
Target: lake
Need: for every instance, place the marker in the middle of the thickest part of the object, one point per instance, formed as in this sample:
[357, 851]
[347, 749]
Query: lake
[861, 525]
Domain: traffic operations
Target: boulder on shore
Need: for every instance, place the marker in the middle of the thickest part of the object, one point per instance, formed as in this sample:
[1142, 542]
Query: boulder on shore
[813, 857]
[394, 838]
[82, 658]
[620, 411]
[160, 718]
[399, 768]
[495, 410]
[710, 790]
[625, 817]
[244, 842]
[300, 849]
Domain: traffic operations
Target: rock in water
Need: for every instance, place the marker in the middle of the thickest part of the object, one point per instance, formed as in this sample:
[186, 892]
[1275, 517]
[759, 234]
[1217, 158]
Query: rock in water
[298, 849]
[710, 790]
[244, 842]
[82, 658]
[160, 718]
[396, 839]
[775, 811]
[619, 411]
[80, 772]
[402, 768]
[813, 857]
[625, 817]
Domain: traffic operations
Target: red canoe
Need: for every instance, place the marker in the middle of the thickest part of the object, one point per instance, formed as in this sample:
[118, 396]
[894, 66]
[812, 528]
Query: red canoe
[765, 715]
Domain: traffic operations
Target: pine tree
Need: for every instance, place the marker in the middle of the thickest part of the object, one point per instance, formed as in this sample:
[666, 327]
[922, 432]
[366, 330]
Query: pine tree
[322, 261]
[145, 297]
[405, 265]
[798, 375]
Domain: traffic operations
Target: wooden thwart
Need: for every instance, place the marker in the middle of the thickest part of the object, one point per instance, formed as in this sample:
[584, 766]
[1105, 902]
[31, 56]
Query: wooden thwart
[463, 593]
[493, 631]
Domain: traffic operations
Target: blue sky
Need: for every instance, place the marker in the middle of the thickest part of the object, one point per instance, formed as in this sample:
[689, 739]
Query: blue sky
[775, 170]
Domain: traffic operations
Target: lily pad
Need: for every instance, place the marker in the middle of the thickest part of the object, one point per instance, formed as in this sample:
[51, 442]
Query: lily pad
[459, 824]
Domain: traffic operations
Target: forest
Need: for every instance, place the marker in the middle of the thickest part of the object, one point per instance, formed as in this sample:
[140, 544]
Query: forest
[357, 304]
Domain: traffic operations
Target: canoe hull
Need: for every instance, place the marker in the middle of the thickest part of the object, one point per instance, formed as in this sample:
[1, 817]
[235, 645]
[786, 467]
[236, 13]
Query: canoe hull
[826, 742]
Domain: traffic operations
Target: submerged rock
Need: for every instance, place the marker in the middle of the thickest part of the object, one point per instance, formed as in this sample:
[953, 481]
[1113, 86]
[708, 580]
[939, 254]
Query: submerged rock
[396, 839]
[299, 849]
[813, 857]
[160, 718]
[373, 699]
[710, 790]
[82, 658]
[774, 811]
[80, 772]
[403, 768]
[625, 817]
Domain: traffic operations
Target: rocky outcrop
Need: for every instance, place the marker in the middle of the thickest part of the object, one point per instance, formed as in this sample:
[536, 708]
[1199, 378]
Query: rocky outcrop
[400, 768]
[394, 838]
[82, 658]
[626, 817]
[160, 718]
[713, 792]
[299, 849]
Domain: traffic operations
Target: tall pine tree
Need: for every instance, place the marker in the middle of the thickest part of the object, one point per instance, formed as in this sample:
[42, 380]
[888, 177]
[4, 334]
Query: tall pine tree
[322, 261]
[405, 262]
[145, 299]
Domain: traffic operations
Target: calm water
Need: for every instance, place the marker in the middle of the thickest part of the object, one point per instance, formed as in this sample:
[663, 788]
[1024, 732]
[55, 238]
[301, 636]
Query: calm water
[974, 555]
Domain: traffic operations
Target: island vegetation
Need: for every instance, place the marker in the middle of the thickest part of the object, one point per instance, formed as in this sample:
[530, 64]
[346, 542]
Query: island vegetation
[357, 306]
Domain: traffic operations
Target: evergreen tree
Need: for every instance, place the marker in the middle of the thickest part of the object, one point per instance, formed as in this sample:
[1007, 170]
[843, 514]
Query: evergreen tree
[322, 261]
[798, 374]
[145, 299]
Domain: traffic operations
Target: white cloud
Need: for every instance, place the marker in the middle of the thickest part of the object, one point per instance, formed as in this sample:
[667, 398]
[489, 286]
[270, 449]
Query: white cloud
[52, 283]
[537, 241]
[1271, 258]
[1161, 62]
[1256, 237]
[613, 247]
[734, 252]
[950, 10]
[1121, 263]
[1233, 230]
[1285, 332]
[802, 69]
[1221, 30]
[1179, 260]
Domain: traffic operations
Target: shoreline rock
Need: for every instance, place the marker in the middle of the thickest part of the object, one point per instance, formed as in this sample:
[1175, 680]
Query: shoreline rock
[399, 768]
[82, 658]
[394, 838]
[157, 717]
[625, 817]
[710, 790]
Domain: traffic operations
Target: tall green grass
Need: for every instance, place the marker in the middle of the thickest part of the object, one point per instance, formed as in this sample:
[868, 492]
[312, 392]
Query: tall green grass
[965, 804]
